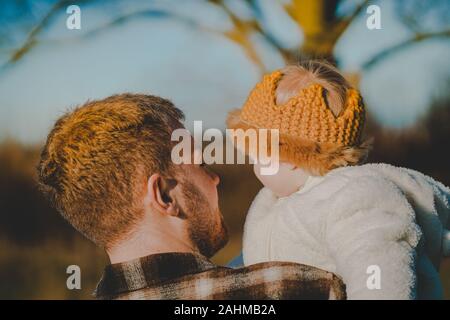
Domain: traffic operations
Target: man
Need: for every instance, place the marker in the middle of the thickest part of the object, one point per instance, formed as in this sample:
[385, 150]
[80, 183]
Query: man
[107, 168]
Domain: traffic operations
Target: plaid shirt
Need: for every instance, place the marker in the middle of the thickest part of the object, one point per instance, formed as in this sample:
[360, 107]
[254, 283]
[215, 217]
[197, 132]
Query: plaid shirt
[192, 276]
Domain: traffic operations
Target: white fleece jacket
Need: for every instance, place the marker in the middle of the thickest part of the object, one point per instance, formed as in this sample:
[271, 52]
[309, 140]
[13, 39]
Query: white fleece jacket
[355, 217]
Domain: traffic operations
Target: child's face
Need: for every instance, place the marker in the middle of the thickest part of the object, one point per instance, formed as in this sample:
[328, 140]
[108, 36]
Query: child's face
[286, 181]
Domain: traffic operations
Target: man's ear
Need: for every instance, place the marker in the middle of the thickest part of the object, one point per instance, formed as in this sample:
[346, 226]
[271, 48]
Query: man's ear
[160, 192]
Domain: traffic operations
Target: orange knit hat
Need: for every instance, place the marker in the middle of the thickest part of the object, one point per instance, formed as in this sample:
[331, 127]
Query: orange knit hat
[311, 136]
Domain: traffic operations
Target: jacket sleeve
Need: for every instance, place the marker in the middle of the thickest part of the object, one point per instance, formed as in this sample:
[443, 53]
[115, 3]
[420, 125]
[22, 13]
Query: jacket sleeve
[371, 234]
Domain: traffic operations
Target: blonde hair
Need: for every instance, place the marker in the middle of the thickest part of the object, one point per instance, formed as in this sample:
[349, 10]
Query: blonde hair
[301, 76]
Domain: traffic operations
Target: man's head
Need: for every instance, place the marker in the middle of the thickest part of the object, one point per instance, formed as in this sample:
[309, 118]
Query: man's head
[107, 168]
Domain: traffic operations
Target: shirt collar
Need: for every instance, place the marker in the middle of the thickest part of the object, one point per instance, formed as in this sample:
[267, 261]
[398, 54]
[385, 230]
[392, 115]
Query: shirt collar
[310, 183]
[150, 270]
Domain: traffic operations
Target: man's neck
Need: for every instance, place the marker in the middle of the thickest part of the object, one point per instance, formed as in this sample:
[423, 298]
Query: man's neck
[142, 245]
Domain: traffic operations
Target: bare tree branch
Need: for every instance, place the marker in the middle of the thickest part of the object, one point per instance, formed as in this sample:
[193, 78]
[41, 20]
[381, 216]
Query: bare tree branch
[343, 24]
[402, 45]
[30, 41]
[153, 13]
[286, 54]
[246, 28]
[241, 33]
[31, 38]
[239, 36]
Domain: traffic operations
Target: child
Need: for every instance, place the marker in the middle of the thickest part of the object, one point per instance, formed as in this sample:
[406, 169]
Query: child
[379, 227]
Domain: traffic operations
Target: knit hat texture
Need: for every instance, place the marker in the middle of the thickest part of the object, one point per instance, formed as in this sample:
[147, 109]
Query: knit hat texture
[311, 136]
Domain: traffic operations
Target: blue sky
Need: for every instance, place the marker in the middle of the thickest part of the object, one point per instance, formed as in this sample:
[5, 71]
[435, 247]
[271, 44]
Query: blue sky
[203, 73]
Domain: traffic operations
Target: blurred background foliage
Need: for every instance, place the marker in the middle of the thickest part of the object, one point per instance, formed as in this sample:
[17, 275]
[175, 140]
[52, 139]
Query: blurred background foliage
[36, 244]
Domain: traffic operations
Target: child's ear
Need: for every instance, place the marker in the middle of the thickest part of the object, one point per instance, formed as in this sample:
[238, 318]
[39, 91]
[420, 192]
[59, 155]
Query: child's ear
[160, 191]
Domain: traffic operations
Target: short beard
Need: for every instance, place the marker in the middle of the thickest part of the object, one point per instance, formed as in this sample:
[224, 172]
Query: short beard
[208, 235]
